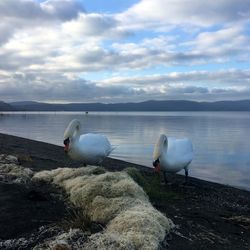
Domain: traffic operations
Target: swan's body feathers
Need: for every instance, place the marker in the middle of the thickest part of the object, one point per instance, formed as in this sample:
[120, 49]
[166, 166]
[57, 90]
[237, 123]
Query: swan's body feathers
[173, 154]
[90, 148]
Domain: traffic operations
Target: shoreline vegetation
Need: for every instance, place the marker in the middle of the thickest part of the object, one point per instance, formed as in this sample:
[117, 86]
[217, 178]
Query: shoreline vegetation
[206, 215]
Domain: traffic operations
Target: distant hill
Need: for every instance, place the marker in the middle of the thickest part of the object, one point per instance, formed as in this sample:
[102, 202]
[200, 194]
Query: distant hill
[172, 105]
[6, 107]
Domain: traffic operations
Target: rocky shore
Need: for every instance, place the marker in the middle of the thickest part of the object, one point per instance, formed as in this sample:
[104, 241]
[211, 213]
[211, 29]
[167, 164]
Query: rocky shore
[206, 215]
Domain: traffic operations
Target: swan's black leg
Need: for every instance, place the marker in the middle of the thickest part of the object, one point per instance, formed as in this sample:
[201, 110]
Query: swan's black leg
[165, 177]
[186, 175]
[100, 163]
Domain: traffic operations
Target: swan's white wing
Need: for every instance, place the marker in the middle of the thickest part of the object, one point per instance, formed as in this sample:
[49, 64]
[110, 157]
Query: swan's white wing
[179, 153]
[93, 147]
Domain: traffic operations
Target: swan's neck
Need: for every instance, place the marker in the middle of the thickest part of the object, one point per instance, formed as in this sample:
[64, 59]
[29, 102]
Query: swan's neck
[75, 136]
[72, 130]
[76, 133]
[160, 146]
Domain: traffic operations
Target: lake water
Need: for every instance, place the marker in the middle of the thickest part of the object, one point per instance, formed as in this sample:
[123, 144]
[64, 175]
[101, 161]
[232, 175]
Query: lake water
[221, 140]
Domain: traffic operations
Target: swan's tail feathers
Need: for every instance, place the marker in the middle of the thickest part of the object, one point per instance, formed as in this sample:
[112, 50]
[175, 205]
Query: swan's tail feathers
[111, 149]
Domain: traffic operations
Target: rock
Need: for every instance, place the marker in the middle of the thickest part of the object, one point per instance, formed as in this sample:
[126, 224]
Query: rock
[12, 172]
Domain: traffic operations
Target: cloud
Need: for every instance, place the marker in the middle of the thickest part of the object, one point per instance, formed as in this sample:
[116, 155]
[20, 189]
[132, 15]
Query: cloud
[190, 90]
[195, 85]
[93, 24]
[77, 44]
[58, 88]
[47, 47]
[223, 77]
[21, 9]
[54, 87]
[32, 10]
[27, 14]
[159, 13]
[222, 44]
[63, 9]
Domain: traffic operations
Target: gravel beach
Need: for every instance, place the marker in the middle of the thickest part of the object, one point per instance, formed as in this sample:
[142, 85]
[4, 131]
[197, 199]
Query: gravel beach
[207, 215]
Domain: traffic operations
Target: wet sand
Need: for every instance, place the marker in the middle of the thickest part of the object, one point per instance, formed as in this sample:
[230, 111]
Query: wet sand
[207, 215]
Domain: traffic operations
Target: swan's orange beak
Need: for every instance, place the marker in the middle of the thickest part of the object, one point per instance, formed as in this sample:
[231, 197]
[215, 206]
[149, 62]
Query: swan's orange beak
[66, 145]
[157, 167]
[66, 148]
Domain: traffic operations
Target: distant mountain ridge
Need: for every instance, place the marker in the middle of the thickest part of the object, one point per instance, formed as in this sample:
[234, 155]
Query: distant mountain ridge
[170, 105]
[6, 107]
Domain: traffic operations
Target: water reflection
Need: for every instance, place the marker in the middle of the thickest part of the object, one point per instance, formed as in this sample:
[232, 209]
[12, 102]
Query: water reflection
[220, 138]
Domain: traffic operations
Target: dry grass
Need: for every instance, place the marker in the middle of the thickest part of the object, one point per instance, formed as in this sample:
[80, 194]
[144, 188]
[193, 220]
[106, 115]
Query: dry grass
[109, 241]
[11, 171]
[115, 200]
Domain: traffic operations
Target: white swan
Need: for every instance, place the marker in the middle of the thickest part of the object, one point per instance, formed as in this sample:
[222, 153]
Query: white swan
[89, 148]
[172, 154]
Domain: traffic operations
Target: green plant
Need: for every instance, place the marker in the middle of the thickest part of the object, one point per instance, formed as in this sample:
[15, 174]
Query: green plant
[76, 218]
[151, 184]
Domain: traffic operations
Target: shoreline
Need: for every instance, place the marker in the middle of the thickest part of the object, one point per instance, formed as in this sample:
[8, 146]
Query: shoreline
[38, 149]
[207, 214]
[47, 151]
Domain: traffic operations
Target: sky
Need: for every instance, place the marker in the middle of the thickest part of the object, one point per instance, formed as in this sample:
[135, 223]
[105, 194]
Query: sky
[110, 51]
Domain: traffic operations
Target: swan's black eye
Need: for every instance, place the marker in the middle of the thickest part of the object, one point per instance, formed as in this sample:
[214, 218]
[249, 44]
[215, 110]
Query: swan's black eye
[156, 162]
[66, 141]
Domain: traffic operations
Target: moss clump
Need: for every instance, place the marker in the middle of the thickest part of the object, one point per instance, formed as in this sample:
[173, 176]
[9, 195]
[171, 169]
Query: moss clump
[98, 170]
[24, 158]
[152, 185]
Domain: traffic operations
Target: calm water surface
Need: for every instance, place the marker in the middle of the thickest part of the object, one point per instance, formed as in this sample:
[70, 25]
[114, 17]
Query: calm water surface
[220, 139]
